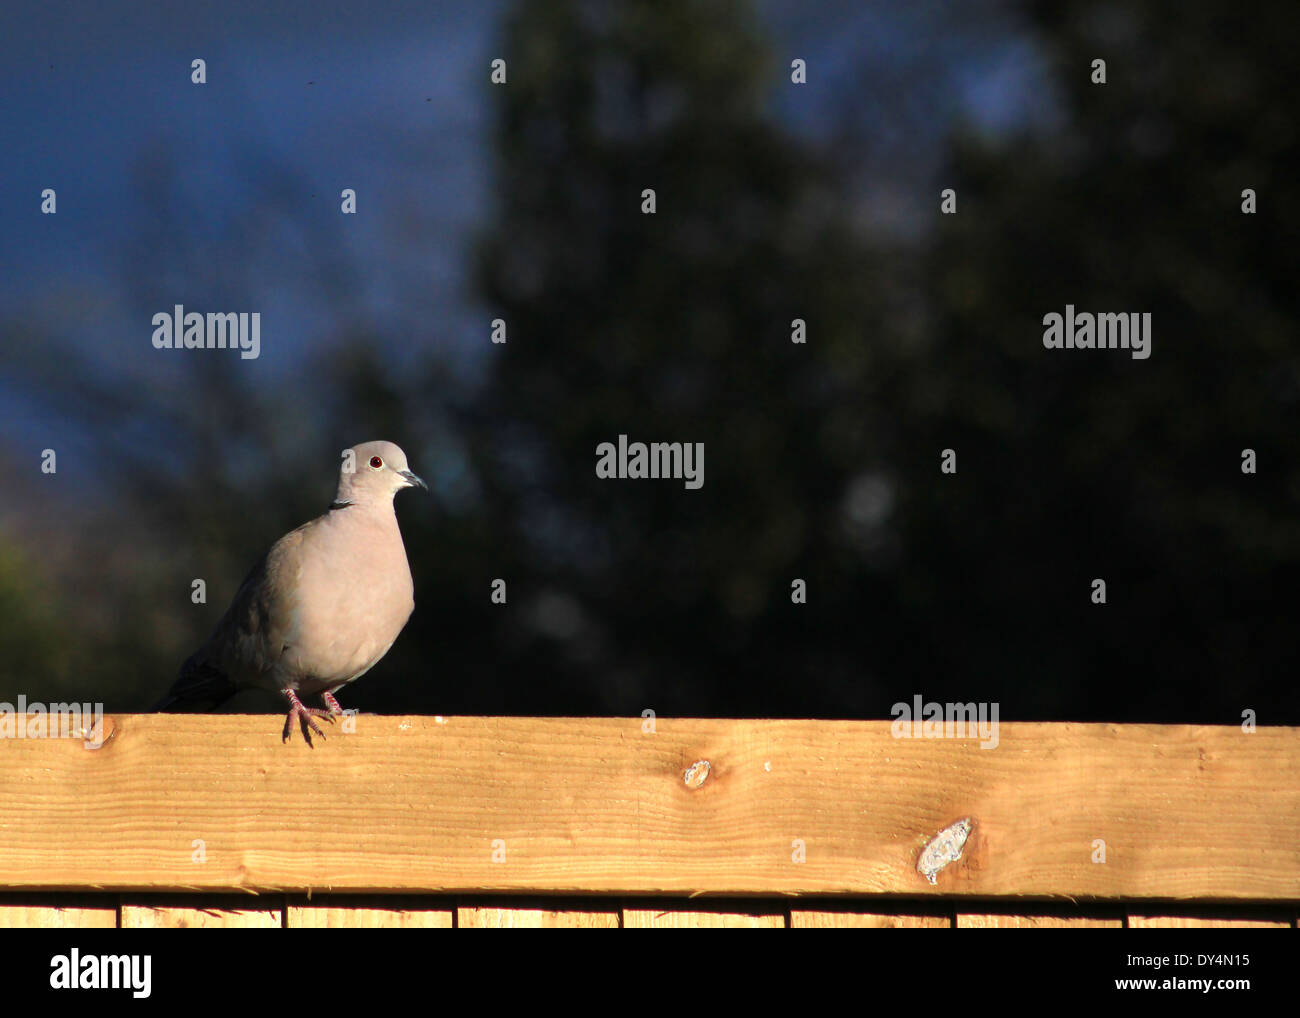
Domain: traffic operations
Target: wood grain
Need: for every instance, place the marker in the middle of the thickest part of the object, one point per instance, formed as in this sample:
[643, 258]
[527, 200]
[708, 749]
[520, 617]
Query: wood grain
[1000, 921]
[488, 918]
[678, 919]
[462, 805]
[54, 917]
[169, 917]
[366, 917]
[804, 919]
[1138, 922]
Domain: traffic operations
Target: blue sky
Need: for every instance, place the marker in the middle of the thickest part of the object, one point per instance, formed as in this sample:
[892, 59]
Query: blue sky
[303, 99]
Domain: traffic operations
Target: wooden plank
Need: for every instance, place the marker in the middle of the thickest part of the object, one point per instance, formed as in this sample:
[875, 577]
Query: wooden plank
[1032, 922]
[56, 917]
[363, 917]
[681, 918]
[1138, 922]
[805, 919]
[485, 918]
[563, 805]
[197, 917]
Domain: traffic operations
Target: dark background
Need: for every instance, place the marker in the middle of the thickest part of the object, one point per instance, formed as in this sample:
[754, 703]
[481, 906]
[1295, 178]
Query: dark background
[775, 201]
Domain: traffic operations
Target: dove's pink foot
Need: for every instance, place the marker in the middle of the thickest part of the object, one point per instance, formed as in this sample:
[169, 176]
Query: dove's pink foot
[305, 717]
[331, 703]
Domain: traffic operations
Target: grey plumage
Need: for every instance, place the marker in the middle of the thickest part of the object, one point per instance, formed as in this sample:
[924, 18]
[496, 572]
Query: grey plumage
[321, 607]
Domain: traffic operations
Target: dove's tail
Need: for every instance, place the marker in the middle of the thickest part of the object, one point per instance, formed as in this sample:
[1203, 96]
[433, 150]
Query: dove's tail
[200, 686]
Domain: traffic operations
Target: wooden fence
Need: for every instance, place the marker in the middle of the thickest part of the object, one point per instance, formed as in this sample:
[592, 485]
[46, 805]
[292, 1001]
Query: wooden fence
[182, 820]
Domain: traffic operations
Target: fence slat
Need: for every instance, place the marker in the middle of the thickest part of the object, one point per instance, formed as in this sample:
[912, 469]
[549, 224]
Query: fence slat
[971, 921]
[808, 920]
[476, 918]
[167, 917]
[366, 917]
[659, 918]
[1193, 922]
[40, 917]
[462, 805]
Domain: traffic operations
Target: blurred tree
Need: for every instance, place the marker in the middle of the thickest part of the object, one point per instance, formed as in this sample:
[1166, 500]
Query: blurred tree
[677, 327]
[1079, 464]
[821, 459]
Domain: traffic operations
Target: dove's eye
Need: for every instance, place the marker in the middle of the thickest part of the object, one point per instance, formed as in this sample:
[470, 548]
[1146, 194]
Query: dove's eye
[376, 462]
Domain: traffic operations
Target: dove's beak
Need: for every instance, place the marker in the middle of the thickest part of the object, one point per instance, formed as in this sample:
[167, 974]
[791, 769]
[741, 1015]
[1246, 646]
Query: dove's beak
[412, 481]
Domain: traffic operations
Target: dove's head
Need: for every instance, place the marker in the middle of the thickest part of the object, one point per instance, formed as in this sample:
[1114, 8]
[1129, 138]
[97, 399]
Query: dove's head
[373, 472]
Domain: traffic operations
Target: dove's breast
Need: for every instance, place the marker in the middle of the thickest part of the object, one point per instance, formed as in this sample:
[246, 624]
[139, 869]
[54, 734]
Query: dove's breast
[355, 594]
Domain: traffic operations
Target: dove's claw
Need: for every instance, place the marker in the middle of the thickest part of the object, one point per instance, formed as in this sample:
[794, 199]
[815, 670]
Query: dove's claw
[305, 718]
[331, 703]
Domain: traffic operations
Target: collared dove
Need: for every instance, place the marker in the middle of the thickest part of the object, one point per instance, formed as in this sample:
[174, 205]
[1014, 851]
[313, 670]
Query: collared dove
[321, 607]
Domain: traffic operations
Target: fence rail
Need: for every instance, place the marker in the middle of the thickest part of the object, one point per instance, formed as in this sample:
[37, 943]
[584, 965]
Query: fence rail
[1113, 817]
